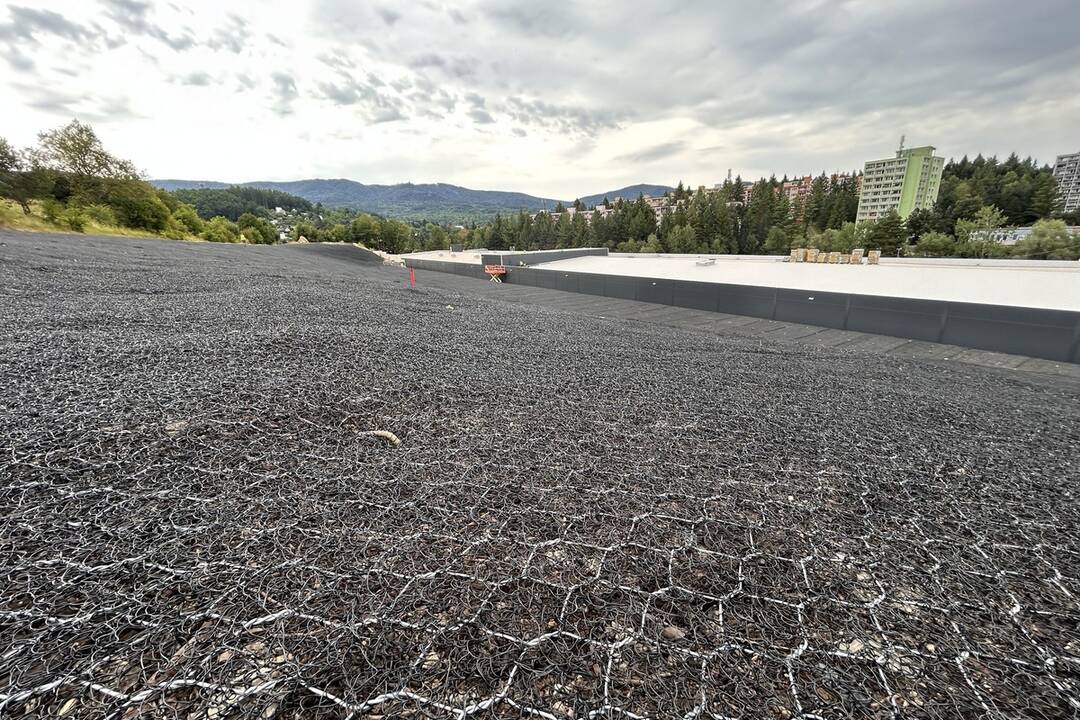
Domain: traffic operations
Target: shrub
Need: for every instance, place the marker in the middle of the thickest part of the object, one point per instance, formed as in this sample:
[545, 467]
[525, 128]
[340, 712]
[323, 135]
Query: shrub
[7, 215]
[167, 198]
[74, 218]
[137, 205]
[189, 219]
[220, 229]
[256, 229]
[52, 210]
[336, 233]
[101, 214]
[935, 244]
[175, 231]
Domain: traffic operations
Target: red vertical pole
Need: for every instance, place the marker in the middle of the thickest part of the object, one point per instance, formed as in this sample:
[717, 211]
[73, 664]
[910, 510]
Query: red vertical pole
[412, 277]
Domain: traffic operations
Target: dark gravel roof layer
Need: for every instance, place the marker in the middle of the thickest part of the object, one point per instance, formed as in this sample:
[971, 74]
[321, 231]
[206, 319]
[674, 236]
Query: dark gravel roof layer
[584, 517]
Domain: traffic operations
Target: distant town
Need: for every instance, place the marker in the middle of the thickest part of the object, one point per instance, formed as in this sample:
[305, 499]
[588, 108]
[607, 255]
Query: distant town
[909, 181]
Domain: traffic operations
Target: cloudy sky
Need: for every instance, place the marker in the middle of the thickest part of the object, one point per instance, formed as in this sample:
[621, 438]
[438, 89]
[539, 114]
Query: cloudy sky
[546, 97]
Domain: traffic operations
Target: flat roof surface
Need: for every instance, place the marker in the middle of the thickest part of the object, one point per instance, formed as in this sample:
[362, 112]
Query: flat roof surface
[1049, 285]
[584, 518]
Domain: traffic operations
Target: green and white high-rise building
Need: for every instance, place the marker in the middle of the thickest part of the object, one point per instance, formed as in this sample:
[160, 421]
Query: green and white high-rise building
[904, 183]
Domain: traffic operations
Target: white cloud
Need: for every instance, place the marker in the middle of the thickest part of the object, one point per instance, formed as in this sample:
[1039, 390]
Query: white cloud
[555, 98]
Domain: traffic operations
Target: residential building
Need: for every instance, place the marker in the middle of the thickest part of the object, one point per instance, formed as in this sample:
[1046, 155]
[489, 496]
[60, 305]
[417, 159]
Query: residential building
[1067, 174]
[571, 212]
[747, 191]
[798, 190]
[657, 205]
[904, 183]
[1012, 235]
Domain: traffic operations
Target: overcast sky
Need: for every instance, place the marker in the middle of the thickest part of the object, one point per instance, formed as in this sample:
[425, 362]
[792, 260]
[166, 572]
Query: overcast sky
[540, 96]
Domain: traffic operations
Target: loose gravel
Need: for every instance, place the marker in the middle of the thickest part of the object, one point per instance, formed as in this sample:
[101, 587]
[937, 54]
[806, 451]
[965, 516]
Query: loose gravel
[204, 515]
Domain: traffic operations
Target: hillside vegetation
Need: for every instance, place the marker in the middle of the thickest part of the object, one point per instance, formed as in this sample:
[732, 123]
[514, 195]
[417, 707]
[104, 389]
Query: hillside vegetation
[69, 181]
[233, 201]
[977, 197]
[436, 202]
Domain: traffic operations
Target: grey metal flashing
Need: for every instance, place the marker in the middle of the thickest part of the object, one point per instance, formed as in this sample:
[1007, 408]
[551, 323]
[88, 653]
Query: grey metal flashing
[1034, 332]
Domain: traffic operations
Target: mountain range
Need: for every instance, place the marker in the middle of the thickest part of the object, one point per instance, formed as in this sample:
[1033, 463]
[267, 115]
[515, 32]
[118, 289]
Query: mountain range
[432, 201]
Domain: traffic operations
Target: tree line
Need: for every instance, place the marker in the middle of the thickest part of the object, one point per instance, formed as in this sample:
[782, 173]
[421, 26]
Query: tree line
[232, 202]
[976, 198]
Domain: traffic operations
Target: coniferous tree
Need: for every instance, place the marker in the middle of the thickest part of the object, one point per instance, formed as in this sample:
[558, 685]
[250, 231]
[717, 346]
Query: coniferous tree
[887, 234]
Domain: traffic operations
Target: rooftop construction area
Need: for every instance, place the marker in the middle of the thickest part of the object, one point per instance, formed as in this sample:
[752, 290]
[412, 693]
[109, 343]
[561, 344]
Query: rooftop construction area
[1021, 283]
[574, 516]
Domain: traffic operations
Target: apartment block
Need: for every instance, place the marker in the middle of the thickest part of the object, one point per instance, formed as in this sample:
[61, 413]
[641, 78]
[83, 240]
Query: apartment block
[904, 183]
[1067, 174]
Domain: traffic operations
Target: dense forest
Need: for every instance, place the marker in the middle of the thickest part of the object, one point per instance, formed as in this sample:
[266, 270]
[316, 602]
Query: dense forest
[232, 202]
[976, 196]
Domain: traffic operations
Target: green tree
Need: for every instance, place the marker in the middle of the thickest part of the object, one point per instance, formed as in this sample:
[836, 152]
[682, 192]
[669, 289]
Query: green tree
[74, 218]
[75, 149]
[759, 215]
[935, 244]
[76, 152]
[22, 179]
[580, 232]
[364, 230]
[136, 204]
[682, 239]
[638, 218]
[844, 239]
[777, 242]
[437, 237]
[989, 218]
[9, 157]
[974, 236]
[921, 221]
[256, 229]
[651, 245]
[887, 234]
[221, 229]
[188, 219]
[1049, 240]
[816, 212]
[1045, 199]
[394, 236]
[338, 232]
[564, 232]
[305, 230]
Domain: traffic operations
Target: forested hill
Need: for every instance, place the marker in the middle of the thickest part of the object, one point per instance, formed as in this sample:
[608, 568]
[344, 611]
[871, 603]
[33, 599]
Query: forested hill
[630, 192]
[233, 201]
[435, 201]
[430, 201]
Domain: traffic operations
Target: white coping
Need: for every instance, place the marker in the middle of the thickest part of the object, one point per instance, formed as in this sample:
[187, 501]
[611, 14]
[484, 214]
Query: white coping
[466, 256]
[1035, 284]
